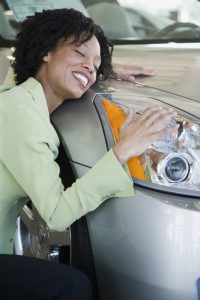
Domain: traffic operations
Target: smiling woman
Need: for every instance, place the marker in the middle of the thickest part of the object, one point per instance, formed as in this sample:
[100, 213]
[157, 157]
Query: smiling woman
[59, 54]
[36, 43]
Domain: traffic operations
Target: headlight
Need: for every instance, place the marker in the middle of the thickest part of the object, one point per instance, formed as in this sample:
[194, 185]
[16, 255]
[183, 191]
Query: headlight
[175, 160]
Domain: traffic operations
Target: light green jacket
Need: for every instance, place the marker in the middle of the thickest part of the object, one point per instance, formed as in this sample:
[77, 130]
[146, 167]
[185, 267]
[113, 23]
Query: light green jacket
[28, 149]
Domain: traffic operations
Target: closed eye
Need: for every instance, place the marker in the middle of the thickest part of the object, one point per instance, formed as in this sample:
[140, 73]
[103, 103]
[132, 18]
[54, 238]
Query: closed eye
[80, 53]
[96, 67]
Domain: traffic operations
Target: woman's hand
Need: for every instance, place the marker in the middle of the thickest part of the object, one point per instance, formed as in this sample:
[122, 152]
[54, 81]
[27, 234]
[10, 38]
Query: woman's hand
[137, 134]
[128, 72]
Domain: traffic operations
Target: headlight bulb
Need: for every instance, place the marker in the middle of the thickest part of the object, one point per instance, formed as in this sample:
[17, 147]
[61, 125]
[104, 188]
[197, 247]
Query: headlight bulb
[175, 167]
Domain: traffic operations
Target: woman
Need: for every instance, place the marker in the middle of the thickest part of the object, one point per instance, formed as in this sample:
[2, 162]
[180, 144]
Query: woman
[59, 54]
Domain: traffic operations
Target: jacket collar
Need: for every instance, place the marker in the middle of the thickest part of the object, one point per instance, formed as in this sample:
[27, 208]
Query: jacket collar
[32, 86]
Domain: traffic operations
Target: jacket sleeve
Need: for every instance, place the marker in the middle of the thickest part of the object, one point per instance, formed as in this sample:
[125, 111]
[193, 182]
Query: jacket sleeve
[29, 152]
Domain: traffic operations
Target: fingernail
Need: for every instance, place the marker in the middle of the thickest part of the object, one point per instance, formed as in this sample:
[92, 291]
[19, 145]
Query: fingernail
[131, 78]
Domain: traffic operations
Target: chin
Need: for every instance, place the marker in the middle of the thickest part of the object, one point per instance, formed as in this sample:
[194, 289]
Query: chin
[77, 95]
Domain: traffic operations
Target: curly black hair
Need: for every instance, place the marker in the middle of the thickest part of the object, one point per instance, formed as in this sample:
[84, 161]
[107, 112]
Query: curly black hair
[41, 33]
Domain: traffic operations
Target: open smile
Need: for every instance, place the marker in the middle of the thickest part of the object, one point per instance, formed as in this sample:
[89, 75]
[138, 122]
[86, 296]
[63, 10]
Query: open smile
[83, 79]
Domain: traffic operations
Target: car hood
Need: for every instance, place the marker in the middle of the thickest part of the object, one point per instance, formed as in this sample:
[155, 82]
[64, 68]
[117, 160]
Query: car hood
[177, 66]
[176, 82]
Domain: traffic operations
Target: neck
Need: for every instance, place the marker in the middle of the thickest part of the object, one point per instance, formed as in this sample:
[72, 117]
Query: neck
[53, 100]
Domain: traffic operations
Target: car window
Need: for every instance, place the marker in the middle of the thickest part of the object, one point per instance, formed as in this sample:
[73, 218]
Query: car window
[144, 19]
[122, 20]
[23, 8]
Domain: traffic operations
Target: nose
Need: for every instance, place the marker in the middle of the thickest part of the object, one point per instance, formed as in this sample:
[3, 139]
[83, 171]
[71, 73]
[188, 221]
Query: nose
[88, 64]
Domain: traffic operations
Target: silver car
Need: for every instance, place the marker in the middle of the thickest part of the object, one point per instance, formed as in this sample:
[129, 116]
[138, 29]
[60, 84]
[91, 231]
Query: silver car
[148, 246]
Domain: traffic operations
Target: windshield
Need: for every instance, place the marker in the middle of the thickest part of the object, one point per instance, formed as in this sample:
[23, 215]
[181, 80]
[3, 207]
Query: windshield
[123, 21]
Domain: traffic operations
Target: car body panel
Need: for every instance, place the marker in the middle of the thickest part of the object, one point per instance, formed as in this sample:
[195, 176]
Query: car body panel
[145, 247]
[69, 126]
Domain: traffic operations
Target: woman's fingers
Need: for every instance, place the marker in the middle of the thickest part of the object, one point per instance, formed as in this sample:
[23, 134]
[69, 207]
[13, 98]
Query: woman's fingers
[129, 118]
[156, 135]
[161, 121]
[136, 135]
[153, 120]
[148, 112]
[154, 117]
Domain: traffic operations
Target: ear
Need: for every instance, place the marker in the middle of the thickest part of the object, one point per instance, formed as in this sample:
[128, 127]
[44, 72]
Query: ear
[46, 57]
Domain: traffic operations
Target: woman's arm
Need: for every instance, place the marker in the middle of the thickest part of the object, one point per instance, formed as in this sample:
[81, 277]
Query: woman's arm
[28, 151]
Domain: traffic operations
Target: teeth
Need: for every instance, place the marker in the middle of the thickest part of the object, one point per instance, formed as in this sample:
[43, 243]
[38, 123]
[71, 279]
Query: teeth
[82, 78]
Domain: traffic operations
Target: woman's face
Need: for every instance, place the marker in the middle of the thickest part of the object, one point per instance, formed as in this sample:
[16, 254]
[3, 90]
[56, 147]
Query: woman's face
[70, 70]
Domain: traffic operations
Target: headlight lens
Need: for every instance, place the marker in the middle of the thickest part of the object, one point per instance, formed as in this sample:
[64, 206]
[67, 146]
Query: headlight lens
[175, 167]
[175, 160]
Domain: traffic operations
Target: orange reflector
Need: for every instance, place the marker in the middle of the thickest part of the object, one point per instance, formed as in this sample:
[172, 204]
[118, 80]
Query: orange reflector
[116, 117]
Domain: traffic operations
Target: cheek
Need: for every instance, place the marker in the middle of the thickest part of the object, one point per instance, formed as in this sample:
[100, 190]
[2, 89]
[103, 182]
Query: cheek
[93, 79]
